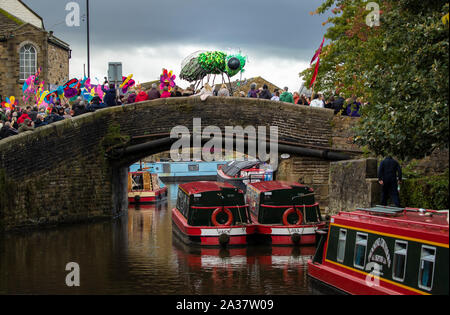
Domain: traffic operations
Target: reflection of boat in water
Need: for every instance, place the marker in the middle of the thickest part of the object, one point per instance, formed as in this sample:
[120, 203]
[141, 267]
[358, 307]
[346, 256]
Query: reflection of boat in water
[212, 213]
[384, 250]
[240, 173]
[144, 187]
[285, 213]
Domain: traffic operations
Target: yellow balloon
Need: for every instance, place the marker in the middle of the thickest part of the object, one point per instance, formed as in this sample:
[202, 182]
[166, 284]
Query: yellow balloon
[126, 81]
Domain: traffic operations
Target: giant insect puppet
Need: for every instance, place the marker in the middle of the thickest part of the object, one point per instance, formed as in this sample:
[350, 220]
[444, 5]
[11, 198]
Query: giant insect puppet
[203, 64]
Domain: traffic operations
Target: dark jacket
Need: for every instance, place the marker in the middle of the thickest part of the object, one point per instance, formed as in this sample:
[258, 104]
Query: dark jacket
[6, 132]
[153, 94]
[110, 96]
[265, 94]
[389, 170]
[338, 104]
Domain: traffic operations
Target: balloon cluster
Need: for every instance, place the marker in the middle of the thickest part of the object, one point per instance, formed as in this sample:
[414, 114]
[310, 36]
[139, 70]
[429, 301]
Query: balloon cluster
[69, 91]
[167, 78]
[9, 103]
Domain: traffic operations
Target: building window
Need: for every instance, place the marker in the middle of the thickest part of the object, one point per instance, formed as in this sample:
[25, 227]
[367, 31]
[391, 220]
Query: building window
[28, 58]
[341, 245]
[400, 251]
[360, 250]
[426, 271]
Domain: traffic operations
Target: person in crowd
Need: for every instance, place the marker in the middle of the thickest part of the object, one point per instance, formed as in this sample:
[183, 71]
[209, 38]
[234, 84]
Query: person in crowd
[188, 92]
[223, 91]
[132, 97]
[287, 96]
[27, 125]
[296, 97]
[109, 98]
[338, 104]
[303, 100]
[265, 93]
[205, 92]
[154, 93]
[253, 93]
[22, 118]
[80, 108]
[166, 93]
[276, 97]
[67, 114]
[389, 176]
[353, 107]
[40, 121]
[329, 102]
[141, 97]
[176, 92]
[317, 101]
[242, 94]
[8, 130]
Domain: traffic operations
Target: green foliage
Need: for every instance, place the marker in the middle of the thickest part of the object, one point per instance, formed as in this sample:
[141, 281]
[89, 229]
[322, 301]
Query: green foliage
[426, 192]
[399, 68]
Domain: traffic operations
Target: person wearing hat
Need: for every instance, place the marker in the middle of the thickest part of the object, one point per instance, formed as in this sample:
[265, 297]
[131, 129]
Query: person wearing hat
[27, 125]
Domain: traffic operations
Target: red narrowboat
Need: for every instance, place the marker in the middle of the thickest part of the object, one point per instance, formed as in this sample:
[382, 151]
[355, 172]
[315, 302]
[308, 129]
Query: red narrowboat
[144, 187]
[212, 214]
[285, 213]
[384, 250]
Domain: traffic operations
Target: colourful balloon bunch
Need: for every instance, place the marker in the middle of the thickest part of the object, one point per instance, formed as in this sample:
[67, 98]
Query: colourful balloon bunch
[9, 103]
[127, 82]
[167, 78]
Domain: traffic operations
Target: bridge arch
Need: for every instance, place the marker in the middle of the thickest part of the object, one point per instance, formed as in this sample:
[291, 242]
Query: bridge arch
[64, 172]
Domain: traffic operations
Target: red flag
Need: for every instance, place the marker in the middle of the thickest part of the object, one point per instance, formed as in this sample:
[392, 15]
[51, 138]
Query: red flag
[316, 70]
[318, 51]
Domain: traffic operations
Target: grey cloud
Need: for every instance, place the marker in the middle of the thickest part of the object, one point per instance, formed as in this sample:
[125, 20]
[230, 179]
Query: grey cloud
[270, 26]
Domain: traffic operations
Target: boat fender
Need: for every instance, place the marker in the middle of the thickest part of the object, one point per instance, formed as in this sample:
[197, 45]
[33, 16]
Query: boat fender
[295, 238]
[224, 239]
[290, 211]
[137, 198]
[216, 213]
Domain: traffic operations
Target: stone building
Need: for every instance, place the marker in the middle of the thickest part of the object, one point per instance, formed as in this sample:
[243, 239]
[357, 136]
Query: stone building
[25, 46]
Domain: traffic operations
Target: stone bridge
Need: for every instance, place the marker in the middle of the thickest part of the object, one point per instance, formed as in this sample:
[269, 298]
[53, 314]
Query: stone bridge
[67, 171]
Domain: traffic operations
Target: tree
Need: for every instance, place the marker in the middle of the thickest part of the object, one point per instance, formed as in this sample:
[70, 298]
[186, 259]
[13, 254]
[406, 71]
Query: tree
[399, 67]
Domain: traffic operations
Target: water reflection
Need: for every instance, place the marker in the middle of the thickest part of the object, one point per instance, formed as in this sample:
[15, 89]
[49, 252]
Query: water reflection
[138, 254]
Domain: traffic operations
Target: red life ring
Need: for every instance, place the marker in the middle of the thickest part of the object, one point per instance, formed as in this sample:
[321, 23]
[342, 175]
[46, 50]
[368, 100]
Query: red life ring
[290, 211]
[216, 213]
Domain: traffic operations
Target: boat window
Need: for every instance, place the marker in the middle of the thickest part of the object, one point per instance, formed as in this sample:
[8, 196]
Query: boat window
[360, 250]
[341, 245]
[182, 202]
[137, 182]
[399, 267]
[193, 167]
[426, 271]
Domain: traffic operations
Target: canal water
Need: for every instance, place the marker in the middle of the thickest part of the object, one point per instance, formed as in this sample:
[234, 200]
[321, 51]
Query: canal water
[137, 254]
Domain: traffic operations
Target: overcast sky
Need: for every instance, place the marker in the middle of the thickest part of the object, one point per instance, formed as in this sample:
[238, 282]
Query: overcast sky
[278, 36]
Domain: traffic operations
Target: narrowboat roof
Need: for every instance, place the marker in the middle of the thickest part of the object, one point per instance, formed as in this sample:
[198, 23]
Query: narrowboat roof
[274, 185]
[234, 167]
[412, 223]
[204, 186]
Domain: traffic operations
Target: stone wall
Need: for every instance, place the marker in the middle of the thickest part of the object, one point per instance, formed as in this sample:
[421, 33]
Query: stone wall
[343, 134]
[58, 65]
[353, 184]
[59, 173]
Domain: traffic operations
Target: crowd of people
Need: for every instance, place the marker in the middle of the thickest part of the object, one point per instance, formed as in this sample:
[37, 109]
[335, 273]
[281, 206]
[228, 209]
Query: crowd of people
[17, 120]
